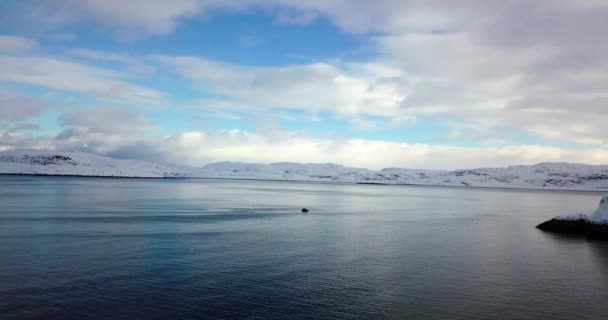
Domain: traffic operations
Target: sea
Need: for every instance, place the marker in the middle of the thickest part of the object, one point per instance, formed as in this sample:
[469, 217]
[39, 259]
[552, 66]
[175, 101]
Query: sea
[111, 248]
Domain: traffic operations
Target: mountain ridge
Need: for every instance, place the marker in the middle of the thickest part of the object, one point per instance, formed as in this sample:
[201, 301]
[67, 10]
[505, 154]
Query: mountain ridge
[544, 175]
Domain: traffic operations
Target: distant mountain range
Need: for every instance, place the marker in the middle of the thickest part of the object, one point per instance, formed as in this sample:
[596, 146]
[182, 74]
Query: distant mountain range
[566, 176]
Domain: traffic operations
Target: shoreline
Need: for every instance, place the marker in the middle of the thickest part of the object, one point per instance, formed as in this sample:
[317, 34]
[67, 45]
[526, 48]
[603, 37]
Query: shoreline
[306, 181]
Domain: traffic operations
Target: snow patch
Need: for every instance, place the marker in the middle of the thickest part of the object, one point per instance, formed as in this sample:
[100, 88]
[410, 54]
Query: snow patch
[579, 216]
[601, 213]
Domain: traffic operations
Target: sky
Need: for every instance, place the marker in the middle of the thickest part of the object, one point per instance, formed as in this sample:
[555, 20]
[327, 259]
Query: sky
[439, 84]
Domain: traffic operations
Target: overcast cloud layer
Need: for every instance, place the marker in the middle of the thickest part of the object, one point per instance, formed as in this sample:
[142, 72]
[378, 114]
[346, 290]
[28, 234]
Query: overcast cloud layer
[510, 82]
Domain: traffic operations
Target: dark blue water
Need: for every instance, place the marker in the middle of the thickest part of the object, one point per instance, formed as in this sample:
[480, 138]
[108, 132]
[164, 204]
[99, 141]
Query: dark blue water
[83, 248]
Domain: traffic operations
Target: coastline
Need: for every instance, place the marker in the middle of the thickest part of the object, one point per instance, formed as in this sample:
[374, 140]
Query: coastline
[309, 181]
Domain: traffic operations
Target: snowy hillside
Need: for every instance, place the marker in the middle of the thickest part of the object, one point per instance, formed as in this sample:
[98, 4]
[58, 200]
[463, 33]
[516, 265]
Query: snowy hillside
[544, 175]
[77, 163]
[285, 171]
[564, 176]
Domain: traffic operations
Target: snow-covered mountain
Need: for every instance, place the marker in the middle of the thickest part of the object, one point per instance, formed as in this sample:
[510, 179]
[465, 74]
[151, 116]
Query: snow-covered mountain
[567, 176]
[544, 175]
[79, 164]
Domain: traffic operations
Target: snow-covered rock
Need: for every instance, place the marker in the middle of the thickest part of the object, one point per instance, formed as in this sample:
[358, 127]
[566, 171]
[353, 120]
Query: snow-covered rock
[571, 217]
[594, 226]
[601, 213]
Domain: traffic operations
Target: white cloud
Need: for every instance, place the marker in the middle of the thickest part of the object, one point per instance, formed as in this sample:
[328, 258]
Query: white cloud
[126, 19]
[297, 17]
[91, 129]
[197, 148]
[16, 43]
[153, 16]
[133, 64]
[16, 107]
[101, 55]
[64, 36]
[106, 120]
[62, 74]
[539, 67]
[350, 89]
[23, 127]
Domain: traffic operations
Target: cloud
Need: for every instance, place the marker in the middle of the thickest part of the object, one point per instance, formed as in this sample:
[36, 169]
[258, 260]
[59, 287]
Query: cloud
[92, 129]
[16, 107]
[508, 64]
[16, 43]
[295, 17]
[63, 36]
[126, 19]
[155, 17]
[101, 55]
[357, 16]
[63, 74]
[23, 127]
[369, 125]
[493, 67]
[275, 146]
[134, 65]
[108, 120]
[197, 148]
[490, 63]
[346, 90]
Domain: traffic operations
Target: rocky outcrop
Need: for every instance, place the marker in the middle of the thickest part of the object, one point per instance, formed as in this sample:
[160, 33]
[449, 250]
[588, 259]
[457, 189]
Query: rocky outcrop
[594, 227]
[593, 230]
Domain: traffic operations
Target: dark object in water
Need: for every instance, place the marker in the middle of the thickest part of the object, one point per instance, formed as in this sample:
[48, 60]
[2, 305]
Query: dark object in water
[591, 229]
[304, 210]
